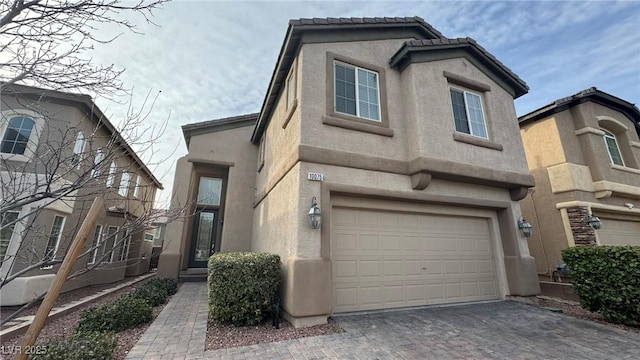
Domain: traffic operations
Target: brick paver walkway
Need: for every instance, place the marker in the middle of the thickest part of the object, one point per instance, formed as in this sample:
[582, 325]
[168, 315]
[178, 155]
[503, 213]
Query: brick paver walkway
[495, 330]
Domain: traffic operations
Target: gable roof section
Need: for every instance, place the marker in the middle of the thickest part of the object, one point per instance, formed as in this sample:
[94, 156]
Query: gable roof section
[591, 94]
[215, 125]
[85, 103]
[443, 48]
[303, 31]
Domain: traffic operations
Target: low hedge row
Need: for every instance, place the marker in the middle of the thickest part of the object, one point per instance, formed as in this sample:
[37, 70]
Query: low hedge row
[242, 286]
[607, 279]
[93, 337]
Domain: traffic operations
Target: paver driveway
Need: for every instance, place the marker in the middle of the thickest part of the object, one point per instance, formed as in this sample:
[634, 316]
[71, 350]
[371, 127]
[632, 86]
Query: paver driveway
[495, 330]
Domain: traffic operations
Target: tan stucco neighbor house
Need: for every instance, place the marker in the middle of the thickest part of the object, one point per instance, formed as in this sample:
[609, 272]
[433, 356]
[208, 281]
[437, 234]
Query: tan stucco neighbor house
[47, 134]
[584, 153]
[407, 140]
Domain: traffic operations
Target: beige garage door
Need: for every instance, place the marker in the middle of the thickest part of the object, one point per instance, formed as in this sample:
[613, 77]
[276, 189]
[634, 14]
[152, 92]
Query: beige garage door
[619, 232]
[385, 259]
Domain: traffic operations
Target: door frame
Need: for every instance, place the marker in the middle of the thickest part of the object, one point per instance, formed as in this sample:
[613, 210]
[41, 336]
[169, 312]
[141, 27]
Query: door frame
[193, 263]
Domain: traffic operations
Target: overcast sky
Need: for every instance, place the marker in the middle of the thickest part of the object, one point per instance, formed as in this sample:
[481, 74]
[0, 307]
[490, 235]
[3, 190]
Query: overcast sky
[213, 59]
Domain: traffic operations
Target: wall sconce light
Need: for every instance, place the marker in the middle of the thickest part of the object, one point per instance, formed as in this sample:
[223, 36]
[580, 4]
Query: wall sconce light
[525, 228]
[593, 221]
[314, 218]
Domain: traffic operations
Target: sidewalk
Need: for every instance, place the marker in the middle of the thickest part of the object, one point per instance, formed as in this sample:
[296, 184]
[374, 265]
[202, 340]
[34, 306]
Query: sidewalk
[180, 331]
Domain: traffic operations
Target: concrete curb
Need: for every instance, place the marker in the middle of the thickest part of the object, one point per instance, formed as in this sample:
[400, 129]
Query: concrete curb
[56, 312]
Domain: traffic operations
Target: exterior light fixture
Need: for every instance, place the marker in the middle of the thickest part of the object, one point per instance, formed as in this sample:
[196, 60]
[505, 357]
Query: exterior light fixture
[525, 228]
[314, 218]
[593, 221]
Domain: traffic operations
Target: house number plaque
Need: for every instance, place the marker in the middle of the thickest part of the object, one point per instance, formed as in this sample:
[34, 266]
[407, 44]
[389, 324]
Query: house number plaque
[315, 176]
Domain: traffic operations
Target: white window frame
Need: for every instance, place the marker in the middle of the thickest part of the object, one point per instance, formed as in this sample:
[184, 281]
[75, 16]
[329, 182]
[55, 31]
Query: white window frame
[34, 137]
[153, 236]
[124, 248]
[608, 134]
[136, 191]
[335, 94]
[57, 245]
[13, 233]
[125, 181]
[112, 174]
[113, 245]
[97, 163]
[78, 149]
[98, 234]
[466, 109]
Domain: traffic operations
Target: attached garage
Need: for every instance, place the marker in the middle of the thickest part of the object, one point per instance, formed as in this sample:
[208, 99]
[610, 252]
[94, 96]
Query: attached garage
[387, 259]
[619, 232]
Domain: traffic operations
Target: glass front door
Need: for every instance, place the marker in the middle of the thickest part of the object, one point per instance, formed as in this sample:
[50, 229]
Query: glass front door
[204, 238]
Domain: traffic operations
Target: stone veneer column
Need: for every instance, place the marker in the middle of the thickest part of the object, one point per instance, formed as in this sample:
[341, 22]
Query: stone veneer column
[583, 234]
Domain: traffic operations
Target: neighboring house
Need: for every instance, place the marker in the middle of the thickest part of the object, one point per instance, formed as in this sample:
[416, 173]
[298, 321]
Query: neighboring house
[584, 153]
[51, 134]
[407, 140]
[159, 226]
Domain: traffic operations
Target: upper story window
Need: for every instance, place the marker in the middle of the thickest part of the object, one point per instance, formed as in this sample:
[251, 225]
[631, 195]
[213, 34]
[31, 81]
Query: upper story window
[16, 137]
[97, 163]
[291, 89]
[357, 91]
[136, 191]
[54, 238]
[124, 184]
[112, 174]
[78, 148]
[468, 113]
[615, 157]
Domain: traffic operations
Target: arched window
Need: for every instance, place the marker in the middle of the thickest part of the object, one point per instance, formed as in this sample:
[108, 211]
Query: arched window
[615, 157]
[97, 163]
[112, 174]
[16, 137]
[77, 149]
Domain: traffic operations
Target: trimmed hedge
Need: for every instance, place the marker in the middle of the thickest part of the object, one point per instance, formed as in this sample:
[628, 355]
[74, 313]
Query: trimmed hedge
[126, 312]
[242, 286]
[156, 291]
[78, 346]
[607, 279]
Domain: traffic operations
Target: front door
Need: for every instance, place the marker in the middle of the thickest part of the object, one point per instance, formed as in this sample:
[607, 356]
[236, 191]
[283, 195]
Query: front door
[204, 238]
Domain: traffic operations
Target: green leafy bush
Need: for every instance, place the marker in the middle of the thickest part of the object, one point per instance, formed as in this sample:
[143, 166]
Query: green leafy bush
[607, 279]
[156, 291]
[78, 346]
[126, 312]
[242, 286]
[170, 286]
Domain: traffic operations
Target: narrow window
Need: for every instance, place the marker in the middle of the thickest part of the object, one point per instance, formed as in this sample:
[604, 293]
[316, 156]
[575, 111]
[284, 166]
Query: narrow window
[112, 174]
[54, 238]
[148, 237]
[97, 163]
[16, 137]
[615, 157]
[357, 92]
[468, 114]
[136, 191]
[78, 148]
[112, 236]
[95, 244]
[291, 89]
[124, 184]
[7, 226]
[124, 249]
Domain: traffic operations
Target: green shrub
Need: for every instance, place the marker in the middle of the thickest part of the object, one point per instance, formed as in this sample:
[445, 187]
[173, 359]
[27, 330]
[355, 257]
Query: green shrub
[126, 312]
[152, 294]
[607, 279]
[170, 286]
[242, 286]
[78, 346]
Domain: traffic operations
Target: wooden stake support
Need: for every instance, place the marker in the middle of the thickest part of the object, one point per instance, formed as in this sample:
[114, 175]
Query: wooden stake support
[30, 337]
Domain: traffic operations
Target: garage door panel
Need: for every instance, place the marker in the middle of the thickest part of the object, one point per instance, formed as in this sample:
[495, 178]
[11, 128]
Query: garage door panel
[619, 232]
[399, 259]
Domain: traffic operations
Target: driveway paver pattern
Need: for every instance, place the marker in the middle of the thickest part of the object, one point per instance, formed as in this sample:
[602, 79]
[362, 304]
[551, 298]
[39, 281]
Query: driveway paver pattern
[492, 330]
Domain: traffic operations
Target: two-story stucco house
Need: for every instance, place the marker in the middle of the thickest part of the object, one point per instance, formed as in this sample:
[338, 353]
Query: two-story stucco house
[408, 142]
[52, 139]
[584, 153]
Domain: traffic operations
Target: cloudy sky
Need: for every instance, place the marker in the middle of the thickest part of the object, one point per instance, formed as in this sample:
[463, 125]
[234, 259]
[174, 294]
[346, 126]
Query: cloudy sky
[213, 59]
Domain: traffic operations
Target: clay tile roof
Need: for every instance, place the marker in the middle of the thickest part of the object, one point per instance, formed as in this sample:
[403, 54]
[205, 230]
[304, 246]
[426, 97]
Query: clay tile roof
[363, 20]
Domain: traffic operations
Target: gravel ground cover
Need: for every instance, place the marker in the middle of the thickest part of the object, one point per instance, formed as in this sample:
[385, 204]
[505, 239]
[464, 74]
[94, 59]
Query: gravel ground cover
[65, 325]
[221, 336]
[575, 310]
